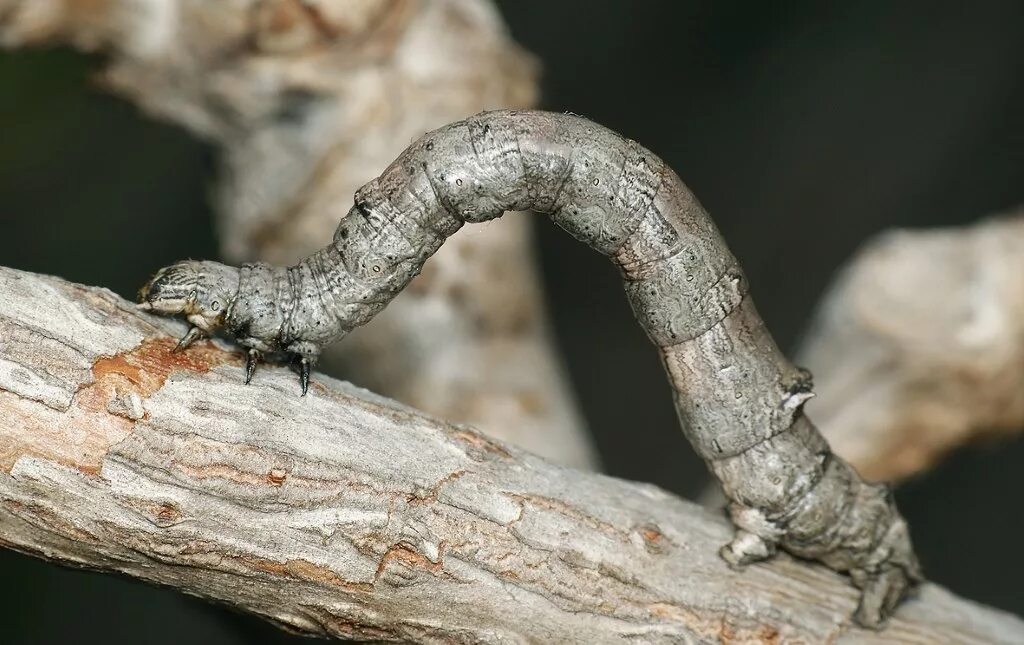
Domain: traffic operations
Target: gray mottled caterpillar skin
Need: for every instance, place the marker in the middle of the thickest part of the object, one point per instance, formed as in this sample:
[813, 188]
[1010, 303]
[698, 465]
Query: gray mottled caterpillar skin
[739, 400]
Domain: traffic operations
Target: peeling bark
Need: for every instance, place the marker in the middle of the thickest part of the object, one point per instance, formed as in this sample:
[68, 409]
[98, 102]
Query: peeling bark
[308, 100]
[346, 514]
[918, 348]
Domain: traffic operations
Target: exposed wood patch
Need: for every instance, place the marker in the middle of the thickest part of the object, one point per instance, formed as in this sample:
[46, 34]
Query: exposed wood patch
[104, 411]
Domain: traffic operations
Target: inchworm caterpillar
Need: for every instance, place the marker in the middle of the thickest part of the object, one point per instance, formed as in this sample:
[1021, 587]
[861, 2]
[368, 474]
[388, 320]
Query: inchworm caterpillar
[739, 400]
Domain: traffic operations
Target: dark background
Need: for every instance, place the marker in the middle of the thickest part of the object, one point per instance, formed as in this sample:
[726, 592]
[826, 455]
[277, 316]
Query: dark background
[804, 131]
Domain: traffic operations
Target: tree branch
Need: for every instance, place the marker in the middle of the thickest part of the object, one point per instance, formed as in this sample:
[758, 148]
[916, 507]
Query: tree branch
[919, 347]
[346, 514]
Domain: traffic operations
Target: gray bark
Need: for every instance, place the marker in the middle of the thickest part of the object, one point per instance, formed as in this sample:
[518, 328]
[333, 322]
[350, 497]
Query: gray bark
[346, 514]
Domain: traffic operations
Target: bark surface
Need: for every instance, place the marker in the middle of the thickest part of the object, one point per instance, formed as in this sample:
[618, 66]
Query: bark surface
[346, 514]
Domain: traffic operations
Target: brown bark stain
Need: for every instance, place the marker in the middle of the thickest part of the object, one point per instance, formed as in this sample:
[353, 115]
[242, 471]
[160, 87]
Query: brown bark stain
[223, 472]
[718, 628]
[40, 516]
[765, 634]
[402, 554]
[655, 542]
[651, 535]
[509, 574]
[311, 572]
[81, 436]
[476, 441]
[346, 627]
[567, 510]
[147, 367]
[298, 569]
[429, 496]
[209, 459]
[167, 514]
[406, 555]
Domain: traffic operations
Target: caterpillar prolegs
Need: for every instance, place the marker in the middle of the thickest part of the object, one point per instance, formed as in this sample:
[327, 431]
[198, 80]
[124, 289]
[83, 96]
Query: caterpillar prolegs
[739, 400]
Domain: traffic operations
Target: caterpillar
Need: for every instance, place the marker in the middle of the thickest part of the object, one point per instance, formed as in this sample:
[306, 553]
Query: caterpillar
[739, 401]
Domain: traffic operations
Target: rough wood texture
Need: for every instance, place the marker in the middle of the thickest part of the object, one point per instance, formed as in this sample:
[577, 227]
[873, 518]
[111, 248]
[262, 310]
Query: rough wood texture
[308, 101]
[346, 514]
[919, 347]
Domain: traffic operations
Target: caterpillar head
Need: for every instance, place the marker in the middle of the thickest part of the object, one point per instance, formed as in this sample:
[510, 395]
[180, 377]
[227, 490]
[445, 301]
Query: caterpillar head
[200, 291]
[204, 292]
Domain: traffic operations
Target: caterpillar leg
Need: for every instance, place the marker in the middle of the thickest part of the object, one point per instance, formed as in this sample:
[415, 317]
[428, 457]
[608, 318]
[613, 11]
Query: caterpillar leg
[888, 575]
[789, 492]
[746, 548]
[300, 363]
[192, 335]
[303, 366]
[756, 538]
[304, 356]
[252, 360]
[881, 592]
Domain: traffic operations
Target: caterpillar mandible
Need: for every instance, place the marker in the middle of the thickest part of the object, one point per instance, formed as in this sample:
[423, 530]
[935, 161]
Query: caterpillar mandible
[739, 400]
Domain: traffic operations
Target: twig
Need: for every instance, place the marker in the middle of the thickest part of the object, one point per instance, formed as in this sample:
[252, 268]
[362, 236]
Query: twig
[346, 514]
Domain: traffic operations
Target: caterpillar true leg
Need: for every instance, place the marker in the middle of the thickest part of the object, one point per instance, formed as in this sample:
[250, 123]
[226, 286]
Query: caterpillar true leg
[746, 548]
[252, 360]
[739, 400]
[192, 335]
[304, 365]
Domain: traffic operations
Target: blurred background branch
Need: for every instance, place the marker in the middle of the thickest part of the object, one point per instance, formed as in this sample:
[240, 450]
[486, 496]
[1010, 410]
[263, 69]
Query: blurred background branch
[918, 348]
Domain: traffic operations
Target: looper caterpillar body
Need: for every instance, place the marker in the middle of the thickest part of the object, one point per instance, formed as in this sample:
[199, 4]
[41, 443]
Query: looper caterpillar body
[739, 400]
